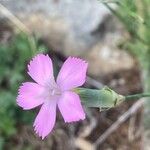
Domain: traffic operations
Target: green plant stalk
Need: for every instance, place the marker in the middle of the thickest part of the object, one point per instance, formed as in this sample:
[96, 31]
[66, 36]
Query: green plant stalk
[137, 96]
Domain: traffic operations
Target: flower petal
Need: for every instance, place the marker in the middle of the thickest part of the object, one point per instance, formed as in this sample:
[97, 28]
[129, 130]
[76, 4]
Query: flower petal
[30, 95]
[46, 118]
[70, 107]
[40, 69]
[72, 73]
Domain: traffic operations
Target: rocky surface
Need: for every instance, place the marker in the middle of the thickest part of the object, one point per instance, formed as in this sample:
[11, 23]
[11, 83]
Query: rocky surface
[73, 27]
[68, 24]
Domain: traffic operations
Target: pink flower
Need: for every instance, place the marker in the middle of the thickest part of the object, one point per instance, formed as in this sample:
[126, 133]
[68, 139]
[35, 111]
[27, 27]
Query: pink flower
[50, 94]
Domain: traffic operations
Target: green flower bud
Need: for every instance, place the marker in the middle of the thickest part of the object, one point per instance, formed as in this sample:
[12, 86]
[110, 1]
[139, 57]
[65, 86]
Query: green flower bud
[103, 99]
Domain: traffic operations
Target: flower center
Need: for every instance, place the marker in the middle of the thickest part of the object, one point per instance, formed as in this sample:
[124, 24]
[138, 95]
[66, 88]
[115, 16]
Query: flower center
[55, 91]
[52, 91]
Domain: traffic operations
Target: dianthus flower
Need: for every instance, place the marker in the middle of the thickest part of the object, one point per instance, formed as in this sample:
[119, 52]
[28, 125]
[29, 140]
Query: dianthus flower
[50, 94]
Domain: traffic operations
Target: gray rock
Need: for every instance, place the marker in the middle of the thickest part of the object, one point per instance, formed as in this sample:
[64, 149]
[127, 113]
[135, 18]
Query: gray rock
[104, 59]
[67, 22]
[83, 28]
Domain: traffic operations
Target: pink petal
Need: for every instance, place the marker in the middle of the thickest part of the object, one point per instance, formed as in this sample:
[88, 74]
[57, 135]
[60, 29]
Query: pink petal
[30, 95]
[46, 118]
[72, 73]
[70, 107]
[40, 69]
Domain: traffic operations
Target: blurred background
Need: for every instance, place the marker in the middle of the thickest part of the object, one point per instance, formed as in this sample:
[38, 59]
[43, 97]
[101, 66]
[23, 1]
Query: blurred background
[113, 36]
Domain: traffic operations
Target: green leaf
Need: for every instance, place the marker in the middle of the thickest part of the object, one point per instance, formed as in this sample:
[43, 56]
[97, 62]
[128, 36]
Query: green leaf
[1, 143]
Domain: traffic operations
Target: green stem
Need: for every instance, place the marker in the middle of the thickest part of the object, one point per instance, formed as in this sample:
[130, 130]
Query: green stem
[137, 96]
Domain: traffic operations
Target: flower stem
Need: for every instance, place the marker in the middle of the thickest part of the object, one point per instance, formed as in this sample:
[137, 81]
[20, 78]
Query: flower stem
[137, 96]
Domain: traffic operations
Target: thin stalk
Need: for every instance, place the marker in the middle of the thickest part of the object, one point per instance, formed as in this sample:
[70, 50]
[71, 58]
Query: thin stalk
[137, 96]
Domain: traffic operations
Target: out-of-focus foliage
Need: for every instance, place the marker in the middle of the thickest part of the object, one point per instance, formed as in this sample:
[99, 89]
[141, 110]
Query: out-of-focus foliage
[13, 59]
[135, 16]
